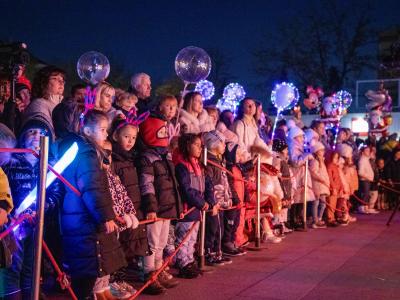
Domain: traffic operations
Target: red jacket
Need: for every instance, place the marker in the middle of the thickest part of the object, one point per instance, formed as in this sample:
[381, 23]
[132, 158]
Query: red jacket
[334, 177]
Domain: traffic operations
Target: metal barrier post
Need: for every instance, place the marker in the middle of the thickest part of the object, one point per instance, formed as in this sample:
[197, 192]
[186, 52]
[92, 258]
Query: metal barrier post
[258, 213]
[305, 197]
[40, 203]
[202, 225]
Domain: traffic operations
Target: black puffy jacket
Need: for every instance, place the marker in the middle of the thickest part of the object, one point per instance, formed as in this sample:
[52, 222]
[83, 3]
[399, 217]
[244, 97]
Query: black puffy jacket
[134, 241]
[158, 185]
[88, 250]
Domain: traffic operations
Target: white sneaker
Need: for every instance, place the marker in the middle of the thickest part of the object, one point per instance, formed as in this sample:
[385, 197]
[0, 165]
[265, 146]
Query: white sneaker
[363, 210]
[373, 211]
[352, 219]
[272, 239]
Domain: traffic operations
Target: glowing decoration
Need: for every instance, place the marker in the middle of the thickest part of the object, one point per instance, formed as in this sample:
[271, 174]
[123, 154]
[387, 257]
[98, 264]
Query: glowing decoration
[93, 67]
[359, 125]
[59, 167]
[234, 92]
[223, 104]
[344, 99]
[192, 64]
[205, 88]
[284, 96]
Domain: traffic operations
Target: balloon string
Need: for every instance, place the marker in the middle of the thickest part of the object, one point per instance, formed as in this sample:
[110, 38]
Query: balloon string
[275, 122]
[183, 93]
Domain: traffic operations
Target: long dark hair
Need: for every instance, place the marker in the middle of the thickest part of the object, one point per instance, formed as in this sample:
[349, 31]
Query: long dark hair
[41, 80]
[184, 142]
[240, 109]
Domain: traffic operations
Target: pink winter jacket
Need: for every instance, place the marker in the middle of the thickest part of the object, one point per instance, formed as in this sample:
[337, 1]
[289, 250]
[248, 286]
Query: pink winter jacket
[320, 178]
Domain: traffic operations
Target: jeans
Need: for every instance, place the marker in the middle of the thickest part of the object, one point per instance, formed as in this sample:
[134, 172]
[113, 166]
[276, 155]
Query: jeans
[184, 255]
[157, 235]
[18, 277]
[364, 190]
[319, 208]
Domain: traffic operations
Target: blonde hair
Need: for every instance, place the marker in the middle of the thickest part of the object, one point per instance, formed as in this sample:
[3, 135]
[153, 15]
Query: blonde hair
[121, 95]
[100, 89]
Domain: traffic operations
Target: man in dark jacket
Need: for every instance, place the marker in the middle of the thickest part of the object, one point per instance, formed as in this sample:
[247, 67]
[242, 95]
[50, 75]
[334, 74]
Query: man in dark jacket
[393, 176]
[159, 191]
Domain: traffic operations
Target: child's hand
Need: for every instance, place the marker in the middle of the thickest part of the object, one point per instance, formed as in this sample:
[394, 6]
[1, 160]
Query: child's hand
[206, 206]
[111, 226]
[215, 210]
[3, 217]
[120, 220]
[135, 221]
[151, 216]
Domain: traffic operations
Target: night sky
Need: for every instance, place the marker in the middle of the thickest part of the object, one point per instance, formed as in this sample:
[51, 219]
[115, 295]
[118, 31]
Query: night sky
[146, 35]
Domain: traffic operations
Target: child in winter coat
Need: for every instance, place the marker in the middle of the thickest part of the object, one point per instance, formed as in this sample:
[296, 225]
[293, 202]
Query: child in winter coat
[366, 177]
[125, 219]
[350, 177]
[335, 187]
[297, 159]
[281, 162]
[159, 193]
[218, 236]
[91, 247]
[235, 164]
[196, 191]
[321, 184]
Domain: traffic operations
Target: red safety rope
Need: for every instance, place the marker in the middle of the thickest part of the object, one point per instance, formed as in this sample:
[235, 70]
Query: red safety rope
[62, 277]
[166, 263]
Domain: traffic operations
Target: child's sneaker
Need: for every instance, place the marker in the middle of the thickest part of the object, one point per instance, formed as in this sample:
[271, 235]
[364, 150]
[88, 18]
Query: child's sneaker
[122, 290]
[224, 259]
[272, 239]
[210, 261]
[373, 211]
[232, 252]
[167, 280]
[352, 219]
[188, 272]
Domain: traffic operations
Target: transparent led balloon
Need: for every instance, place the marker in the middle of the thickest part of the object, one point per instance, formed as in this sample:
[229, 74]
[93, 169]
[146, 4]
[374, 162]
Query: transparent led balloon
[93, 67]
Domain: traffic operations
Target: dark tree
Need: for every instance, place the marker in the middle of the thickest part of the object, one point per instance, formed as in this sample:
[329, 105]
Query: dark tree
[328, 44]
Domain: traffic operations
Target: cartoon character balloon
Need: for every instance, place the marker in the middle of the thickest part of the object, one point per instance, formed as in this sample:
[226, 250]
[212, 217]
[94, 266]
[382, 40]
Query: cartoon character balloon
[192, 64]
[314, 97]
[93, 67]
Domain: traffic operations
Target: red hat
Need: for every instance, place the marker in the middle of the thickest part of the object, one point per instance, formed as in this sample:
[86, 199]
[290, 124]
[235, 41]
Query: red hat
[154, 132]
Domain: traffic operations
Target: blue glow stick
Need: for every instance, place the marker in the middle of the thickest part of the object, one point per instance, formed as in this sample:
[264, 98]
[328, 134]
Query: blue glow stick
[59, 167]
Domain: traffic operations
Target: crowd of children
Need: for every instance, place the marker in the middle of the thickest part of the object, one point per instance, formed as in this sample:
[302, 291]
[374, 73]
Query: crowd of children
[166, 165]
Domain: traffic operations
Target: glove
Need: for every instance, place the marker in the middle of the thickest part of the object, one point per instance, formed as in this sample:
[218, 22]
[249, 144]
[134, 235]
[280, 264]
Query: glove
[128, 221]
[134, 220]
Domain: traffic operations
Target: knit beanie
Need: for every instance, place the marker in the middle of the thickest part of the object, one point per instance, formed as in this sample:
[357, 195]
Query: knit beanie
[294, 132]
[35, 123]
[154, 132]
[279, 145]
[317, 146]
[344, 150]
[212, 138]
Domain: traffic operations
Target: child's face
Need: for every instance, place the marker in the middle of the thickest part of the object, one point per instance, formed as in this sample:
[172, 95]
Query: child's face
[300, 139]
[366, 152]
[128, 103]
[168, 108]
[32, 138]
[106, 99]
[98, 132]
[320, 154]
[126, 137]
[220, 148]
[321, 129]
[214, 117]
[380, 163]
[195, 149]
[335, 159]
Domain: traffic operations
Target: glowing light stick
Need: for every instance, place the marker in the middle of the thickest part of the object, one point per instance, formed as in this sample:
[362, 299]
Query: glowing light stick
[59, 167]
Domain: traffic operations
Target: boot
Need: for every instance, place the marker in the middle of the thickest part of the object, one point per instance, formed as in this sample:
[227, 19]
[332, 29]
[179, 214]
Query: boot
[167, 280]
[155, 288]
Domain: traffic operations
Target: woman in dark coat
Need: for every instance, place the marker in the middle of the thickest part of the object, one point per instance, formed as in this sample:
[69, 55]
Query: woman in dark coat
[91, 247]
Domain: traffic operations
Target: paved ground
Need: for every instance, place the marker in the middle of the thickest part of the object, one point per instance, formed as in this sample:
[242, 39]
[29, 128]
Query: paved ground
[360, 261]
